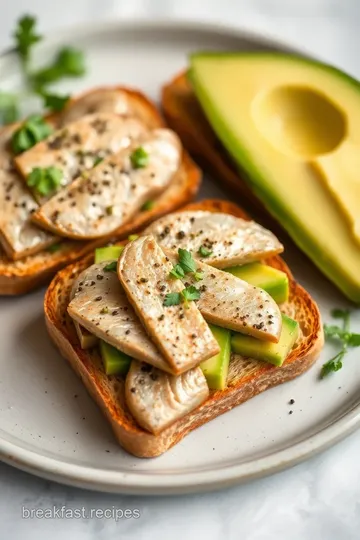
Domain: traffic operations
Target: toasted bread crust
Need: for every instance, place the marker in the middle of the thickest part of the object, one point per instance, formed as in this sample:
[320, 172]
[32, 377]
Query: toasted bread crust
[21, 276]
[247, 377]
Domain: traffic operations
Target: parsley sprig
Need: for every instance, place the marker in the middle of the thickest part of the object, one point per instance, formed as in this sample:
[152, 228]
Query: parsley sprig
[344, 336]
[187, 295]
[186, 265]
[68, 62]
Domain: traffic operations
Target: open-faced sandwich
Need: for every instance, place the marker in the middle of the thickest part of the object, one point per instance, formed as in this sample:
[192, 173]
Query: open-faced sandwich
[103, 167]
[182, 322]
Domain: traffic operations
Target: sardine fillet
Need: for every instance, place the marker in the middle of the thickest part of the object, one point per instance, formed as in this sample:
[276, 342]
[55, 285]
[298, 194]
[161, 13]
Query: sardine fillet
[179, 331]
[157, 399]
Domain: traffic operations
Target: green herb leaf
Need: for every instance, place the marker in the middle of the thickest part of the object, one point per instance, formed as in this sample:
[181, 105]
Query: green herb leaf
[347, 339]
[186, 261]
[133, 237]
[149, 205]
[54, 102]
[111, 267]
[190, 293]
[32, 131]
[9, 109]
[172, 299]
[177, 272]
[198, 276]
[204, 252]
[54, 248]
[98, 160]
[333, 365]
[45, 180]
[69, 62]
[353, 340]
[25, 36]
[139, 158]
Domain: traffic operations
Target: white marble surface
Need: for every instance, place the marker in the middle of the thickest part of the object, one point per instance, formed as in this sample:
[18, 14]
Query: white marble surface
[319, 499]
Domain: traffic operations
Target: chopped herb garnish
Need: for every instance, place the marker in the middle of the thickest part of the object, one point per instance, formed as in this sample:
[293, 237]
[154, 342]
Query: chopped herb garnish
[177, 272]
[98, 160]
[69, 62]
[54, 248]
[26, 36]
[109, 210]
[187, 261]
[54, 102]
[104, 310]
[139, 158]
[32, 131]
[204, 252]
[190, 294]
[149, 205]
[186, 265]
[172, 299]
[111, 267]
[198, 276]
[45, 180]
[133, 237]
[186, 295]
[344, 336]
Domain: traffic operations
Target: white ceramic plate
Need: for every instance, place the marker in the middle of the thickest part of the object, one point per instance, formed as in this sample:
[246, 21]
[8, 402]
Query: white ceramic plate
[50, 426]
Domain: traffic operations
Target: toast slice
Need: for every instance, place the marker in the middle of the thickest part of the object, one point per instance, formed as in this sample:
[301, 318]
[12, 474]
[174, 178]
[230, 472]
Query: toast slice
[20, 276]
[247, 377]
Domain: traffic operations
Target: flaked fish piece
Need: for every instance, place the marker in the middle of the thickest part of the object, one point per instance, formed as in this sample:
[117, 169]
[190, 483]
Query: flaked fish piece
[101, 306]
[113, 191]
[18, 235]
[101, 100]
[79, 146]
[232, 303]
[228, 240]
[157, 399]
[180, 332]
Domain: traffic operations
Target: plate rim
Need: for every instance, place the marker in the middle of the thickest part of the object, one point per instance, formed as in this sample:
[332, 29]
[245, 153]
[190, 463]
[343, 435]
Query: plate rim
[140, 483]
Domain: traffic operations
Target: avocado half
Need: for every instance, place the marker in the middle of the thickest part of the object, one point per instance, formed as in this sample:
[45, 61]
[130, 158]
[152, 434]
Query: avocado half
[293, 126]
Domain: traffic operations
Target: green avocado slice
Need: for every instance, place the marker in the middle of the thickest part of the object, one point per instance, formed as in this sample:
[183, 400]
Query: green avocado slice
[108, 253]
[271, 280]
[216, 368]
[115, 362]
[286, 121]
[275, 353]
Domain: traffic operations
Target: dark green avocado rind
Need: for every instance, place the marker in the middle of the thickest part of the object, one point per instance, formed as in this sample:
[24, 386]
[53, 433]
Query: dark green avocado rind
[257, 181]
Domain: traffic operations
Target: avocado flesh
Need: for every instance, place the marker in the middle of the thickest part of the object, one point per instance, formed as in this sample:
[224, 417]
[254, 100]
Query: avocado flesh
[251, 99]
[271, 280]
[108, 253]
[115, 362]
[275, 353]
[87, 340]
[216, 368]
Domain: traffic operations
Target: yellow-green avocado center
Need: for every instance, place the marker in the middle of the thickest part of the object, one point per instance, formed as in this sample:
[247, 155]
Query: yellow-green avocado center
[293, 126]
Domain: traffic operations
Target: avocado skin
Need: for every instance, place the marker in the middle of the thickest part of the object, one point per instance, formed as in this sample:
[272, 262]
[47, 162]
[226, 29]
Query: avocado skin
[253, 175]
[216, 369]
[271, 280]
[108, 253]
[274, 353]
[115, 362]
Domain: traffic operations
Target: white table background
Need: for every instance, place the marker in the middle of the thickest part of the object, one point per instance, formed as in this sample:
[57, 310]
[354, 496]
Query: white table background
[319, 499]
